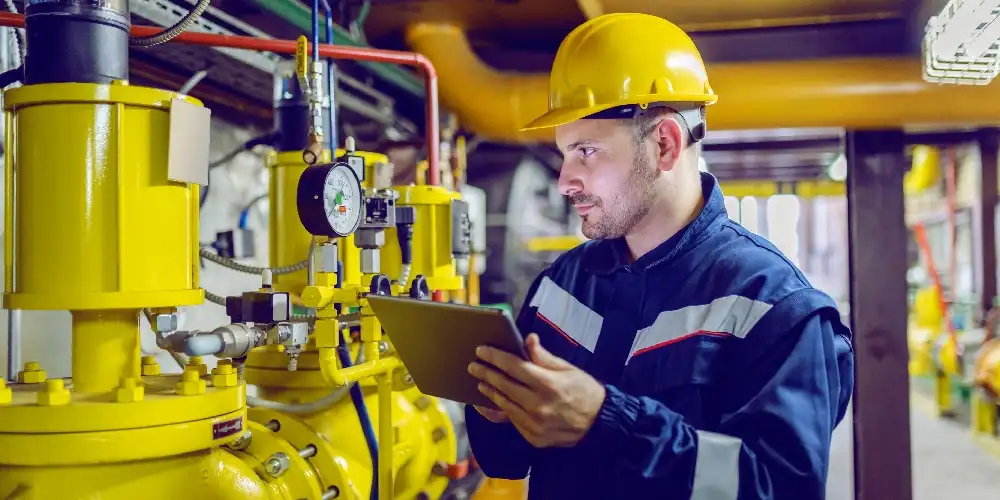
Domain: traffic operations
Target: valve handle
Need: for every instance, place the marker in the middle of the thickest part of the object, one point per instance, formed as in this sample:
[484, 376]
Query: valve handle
[302, 62]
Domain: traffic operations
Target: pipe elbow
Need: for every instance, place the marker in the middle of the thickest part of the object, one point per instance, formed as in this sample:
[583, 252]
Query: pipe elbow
[512, 100]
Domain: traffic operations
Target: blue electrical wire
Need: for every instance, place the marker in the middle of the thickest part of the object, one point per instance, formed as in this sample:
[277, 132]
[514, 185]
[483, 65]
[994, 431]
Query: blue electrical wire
[359, 401]
[315, 33]
[331, 80]
[244, 216]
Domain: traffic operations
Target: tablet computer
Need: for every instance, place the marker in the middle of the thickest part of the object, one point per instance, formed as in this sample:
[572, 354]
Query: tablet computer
[437, 341]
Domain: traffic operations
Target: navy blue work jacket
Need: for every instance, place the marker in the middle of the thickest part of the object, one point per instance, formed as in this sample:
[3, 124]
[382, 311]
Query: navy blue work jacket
[726, 371]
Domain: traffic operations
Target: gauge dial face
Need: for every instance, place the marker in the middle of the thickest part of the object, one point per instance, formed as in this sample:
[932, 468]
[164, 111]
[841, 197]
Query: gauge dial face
[342, 201]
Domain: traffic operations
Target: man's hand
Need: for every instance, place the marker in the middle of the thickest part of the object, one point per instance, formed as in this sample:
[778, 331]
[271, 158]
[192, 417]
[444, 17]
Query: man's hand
[495, 416]
[549, 401]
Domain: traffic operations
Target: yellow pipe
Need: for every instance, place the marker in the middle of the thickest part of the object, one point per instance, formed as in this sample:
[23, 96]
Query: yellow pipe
[862, 93]
[385, 435]
[105, 349]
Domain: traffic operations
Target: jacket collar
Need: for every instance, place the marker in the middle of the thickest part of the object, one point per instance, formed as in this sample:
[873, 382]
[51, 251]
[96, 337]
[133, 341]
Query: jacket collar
[609, 256]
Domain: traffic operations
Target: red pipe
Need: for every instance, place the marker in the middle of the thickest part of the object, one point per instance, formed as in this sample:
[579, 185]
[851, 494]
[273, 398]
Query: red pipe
[325, 51]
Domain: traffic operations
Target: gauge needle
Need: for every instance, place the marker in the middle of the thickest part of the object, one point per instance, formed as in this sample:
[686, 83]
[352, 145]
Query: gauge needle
[339, 201]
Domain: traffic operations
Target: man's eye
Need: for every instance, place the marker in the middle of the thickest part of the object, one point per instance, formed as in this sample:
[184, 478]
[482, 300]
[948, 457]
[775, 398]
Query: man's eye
[587, 151]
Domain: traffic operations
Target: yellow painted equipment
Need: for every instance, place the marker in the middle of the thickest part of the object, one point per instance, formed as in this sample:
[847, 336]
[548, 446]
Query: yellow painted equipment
[926, 169]
[423, 433]
[987, 380]
[802, 189]
[424, 442]
[432, 235]
[289, 240]
[91, 177]
[83, 222]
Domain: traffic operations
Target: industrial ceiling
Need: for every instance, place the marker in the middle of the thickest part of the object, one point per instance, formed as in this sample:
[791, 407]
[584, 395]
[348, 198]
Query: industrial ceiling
[766, 58]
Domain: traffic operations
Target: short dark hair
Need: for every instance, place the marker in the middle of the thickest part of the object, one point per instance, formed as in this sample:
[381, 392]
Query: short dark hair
[644, 123]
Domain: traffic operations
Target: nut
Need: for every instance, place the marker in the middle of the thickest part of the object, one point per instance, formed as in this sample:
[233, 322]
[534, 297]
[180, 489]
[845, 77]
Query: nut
[422, 403]
[276, 464]
[55, 393]
[164, 323]
[150, 366]
[223, 375]
[191, 383]
[242, 442]
[130, 391]
[196, 363]
[6, 395]
[31, 374]
[438, 434]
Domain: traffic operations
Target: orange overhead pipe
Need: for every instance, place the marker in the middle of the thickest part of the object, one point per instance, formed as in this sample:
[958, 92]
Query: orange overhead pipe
[861, 93]
[326, 51]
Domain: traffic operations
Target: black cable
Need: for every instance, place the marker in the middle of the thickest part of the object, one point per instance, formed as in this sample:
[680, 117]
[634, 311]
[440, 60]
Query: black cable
[264, 140]
[11, 76]
[171, 32]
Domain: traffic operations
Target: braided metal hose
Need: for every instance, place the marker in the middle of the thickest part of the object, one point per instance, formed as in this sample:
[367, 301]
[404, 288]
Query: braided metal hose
[169, 33]
[243, 268]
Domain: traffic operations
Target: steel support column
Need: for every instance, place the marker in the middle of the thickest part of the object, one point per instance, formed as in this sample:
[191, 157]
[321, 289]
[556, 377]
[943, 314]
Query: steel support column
[984, 221]
[877, 241]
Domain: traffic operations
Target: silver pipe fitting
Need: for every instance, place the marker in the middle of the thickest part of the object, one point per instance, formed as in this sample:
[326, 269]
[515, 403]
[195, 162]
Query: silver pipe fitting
[230, 341]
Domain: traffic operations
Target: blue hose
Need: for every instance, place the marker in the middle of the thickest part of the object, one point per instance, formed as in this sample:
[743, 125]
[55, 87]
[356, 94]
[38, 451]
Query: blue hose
[359, 402]
[331, 80]
[315, 33]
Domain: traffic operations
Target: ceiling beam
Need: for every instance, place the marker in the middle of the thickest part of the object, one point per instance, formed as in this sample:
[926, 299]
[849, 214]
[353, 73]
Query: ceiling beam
[884, 37]
[920, 11]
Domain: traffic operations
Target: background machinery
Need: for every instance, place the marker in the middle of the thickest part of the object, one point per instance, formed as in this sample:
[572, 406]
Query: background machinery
[105, 225]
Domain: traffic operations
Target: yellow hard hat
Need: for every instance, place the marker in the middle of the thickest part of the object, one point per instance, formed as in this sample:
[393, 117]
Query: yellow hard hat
[632, 60]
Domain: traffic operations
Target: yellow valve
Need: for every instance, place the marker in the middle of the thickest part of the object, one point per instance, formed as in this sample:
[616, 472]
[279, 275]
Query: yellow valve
[302, 61]
[130, 391]
[31, 374]
[191, 383]
[6, 395]
[55, 393]
[149, 366]
[223, 375]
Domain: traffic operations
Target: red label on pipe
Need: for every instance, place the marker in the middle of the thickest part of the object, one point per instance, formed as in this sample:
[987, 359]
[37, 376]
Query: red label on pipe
[227, 428]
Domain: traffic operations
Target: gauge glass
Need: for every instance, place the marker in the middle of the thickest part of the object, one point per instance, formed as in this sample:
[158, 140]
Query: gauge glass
[342, 199]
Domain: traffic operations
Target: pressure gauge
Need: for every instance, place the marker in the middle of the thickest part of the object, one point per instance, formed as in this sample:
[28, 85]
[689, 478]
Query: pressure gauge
[330, 200]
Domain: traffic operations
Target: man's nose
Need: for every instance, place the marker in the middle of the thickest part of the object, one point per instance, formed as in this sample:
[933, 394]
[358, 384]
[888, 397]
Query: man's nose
[569, 182]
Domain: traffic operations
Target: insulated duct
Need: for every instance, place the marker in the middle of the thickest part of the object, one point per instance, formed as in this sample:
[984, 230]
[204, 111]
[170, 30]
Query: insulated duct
[865, 93]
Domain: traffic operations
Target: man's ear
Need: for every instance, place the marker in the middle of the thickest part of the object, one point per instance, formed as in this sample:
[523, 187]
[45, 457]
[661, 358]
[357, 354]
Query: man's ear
[669, 137]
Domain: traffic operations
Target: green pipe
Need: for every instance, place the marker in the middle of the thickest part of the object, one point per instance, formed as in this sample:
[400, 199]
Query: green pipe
[300, 16]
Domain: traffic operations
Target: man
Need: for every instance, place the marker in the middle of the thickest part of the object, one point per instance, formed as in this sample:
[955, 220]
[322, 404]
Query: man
[676, 354]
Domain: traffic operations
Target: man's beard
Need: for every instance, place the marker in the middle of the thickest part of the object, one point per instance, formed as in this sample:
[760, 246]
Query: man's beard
[626, 208]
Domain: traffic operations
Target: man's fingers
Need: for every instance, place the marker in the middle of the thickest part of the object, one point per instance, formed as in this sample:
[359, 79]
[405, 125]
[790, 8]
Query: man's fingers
[518, 369]
[540, 356]
[513, 389]
[495, 416]
[514, 412]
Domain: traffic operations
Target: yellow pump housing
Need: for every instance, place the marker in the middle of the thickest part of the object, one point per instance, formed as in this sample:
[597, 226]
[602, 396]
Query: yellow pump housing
[424, 437]
[81, 233]
[432, 238]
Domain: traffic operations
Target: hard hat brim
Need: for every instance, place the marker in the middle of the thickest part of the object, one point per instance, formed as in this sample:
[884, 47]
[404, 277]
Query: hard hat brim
[557, 117]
